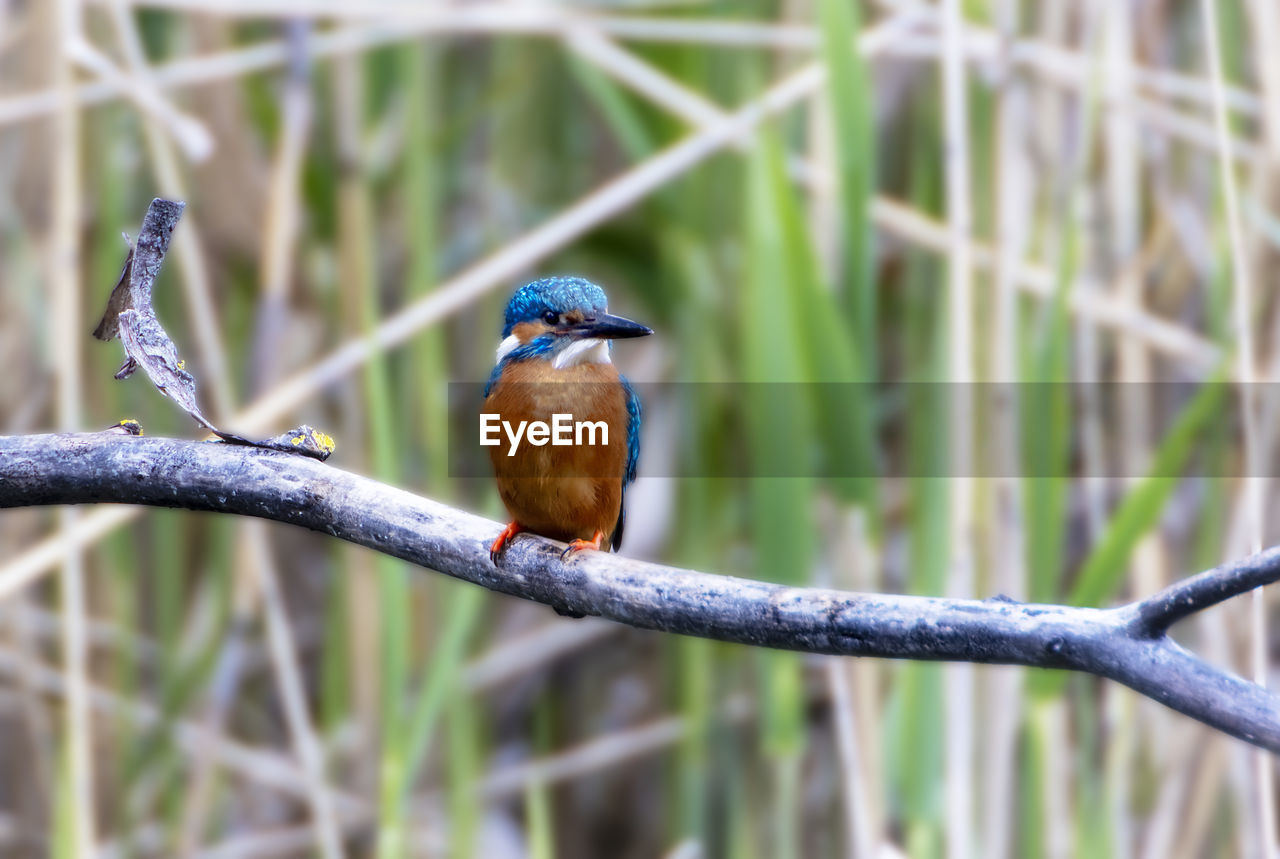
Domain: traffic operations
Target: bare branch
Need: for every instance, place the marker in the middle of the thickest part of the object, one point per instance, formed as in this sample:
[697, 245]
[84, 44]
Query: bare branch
[1125, 644]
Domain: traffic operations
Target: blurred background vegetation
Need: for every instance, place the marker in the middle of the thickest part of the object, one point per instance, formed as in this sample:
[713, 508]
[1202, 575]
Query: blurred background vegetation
[804, 191]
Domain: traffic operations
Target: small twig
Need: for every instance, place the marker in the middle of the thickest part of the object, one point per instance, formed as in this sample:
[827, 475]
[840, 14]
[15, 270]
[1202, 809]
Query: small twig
[1122, 644]
[1157, 613]
[130, 316]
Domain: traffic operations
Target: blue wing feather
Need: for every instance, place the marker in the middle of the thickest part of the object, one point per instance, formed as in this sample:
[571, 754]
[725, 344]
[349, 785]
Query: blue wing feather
[633, 428]
[493, 377]
[633, 455]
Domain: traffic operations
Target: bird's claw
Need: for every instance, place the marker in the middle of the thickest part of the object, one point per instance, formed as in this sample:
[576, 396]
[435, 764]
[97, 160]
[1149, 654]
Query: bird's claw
[578, 545]
[500, 542]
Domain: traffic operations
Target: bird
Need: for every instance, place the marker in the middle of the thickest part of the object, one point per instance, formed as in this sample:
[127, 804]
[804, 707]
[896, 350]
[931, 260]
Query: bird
[555, 359]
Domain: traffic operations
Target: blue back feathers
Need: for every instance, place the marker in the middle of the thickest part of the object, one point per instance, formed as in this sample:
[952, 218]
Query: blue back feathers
[633, 428]
[633, 456]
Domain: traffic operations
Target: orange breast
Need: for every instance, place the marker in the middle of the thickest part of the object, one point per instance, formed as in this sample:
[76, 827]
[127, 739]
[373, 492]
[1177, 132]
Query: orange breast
[564, 492]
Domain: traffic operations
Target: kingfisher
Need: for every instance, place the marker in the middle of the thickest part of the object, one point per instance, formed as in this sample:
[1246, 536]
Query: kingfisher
[554, 361]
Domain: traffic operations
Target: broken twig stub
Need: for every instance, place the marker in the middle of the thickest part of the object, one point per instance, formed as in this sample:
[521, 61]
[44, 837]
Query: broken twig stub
[131, 317]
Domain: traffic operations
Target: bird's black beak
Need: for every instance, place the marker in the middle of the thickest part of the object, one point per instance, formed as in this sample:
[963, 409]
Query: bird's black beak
[609, 327]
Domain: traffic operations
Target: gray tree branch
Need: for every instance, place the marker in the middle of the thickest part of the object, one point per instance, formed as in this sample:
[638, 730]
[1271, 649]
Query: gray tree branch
[1128, 644]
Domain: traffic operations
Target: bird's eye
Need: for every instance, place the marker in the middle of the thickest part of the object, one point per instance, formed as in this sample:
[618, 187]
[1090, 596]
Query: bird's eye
[551, 317]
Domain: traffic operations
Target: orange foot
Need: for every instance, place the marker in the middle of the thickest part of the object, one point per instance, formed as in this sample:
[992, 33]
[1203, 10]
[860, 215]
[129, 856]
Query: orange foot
[508, 534]
[578, 545]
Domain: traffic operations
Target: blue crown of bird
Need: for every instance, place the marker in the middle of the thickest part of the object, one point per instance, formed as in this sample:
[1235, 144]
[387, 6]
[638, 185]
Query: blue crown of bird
[555, 358]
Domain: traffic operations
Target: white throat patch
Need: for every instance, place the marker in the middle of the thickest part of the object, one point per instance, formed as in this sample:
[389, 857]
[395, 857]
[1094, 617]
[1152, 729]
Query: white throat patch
[589, 351]
[507, 346]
